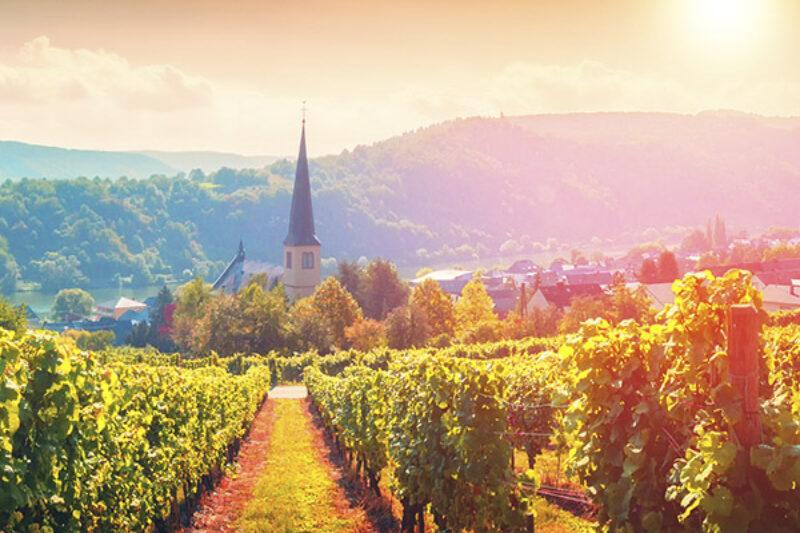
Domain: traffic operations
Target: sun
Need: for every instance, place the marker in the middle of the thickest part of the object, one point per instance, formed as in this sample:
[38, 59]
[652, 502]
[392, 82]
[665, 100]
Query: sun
[725, 19]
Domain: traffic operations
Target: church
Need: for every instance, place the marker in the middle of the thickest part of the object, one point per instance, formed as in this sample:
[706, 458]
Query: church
[301, 270]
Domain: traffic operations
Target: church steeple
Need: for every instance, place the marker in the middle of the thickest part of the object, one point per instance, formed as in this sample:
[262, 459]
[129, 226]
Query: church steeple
[301, 217]
[301, 248]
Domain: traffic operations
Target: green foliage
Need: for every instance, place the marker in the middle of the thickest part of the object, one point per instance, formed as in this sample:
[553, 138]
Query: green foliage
[9, 270]
[94, 340]
[55, 271]
[652, 425]
[13, 318]
[438, 307]
[380, 289]
[86, 446]
[621, 304]
[407, 327]
[75, 302]
[338, 308]
[474, 309]
[252, 320]
[436, 420]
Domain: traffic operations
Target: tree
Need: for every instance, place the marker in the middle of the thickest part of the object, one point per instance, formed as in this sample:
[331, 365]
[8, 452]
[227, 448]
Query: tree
[308, 328]
[583, 308]
[438, 306]
[407, 327]
[365, 335]
[13, 318]
[252, 321]
[349, 275]
[744, 253]
[782, 251]
[624, 304]
[536, 323]
[381, 289]
[9, 270]
[648, 272]
[56, 270]
[719, 239]
[474, 309]
[708, 260]
[577, 257]
[696, 241]
[72, 302]
[667, 267]
[264, 319]
[192, 300]
[341, 310]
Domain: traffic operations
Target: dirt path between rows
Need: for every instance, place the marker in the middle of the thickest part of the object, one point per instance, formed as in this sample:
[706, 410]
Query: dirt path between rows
[284, 480]
[219, 510]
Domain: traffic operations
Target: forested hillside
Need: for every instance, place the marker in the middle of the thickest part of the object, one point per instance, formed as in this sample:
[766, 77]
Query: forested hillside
[447, 192]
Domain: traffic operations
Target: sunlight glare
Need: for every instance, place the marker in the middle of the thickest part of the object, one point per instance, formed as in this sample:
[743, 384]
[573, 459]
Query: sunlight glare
[726, 19]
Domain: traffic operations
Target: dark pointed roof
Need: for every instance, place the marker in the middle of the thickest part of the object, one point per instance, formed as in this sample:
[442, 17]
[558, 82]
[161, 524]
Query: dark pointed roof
[301, 218]
[235, 268]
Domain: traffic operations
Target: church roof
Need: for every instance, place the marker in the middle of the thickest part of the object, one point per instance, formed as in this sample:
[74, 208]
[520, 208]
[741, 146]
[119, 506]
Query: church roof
[301, 218]
[233, 268]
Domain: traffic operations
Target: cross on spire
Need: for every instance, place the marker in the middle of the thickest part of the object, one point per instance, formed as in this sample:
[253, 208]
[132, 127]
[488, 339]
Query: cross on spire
[304, 112]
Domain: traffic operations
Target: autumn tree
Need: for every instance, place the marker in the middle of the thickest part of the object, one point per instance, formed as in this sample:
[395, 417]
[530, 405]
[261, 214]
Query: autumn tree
[475, 309]
[365, 335]
[536, 323]
[339, 307]
[438, 307]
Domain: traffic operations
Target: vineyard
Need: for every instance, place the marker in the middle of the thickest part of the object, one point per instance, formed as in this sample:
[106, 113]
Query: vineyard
[652, 420]
[649, 416]
[86, 446]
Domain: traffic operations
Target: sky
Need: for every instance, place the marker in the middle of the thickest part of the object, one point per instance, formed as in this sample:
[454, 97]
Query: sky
[232, 75]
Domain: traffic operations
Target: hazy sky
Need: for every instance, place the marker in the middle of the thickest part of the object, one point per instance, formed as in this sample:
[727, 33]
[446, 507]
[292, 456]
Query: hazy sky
[231, 75]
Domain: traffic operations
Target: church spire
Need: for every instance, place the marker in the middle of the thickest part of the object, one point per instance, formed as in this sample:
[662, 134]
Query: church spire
[301, 218]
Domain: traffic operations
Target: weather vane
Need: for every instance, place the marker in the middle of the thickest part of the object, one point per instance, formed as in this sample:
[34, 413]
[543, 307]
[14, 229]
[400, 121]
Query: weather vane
[304, 111]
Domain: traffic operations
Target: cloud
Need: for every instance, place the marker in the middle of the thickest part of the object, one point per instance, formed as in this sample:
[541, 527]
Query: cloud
[98, 99]
[588, 86]
[45, 74]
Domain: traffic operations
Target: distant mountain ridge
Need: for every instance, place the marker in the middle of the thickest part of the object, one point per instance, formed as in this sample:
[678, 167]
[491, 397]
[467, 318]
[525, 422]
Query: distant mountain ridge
[21, 160]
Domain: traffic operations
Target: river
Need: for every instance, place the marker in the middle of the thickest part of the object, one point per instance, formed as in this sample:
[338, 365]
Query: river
[42, 301]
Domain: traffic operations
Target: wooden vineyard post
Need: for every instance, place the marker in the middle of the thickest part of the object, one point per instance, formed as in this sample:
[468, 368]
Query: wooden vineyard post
[743, 327]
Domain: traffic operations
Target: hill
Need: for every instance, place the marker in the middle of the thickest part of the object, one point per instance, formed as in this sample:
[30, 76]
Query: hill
[21, 160]
[445, 193]
[478, 182]
[209, 161]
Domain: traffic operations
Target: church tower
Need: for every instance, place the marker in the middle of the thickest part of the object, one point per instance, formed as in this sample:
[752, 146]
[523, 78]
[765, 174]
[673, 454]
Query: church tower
[301, 248]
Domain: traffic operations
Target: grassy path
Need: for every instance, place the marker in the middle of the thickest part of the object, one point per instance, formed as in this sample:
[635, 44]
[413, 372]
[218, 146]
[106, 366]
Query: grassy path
[297, 491]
